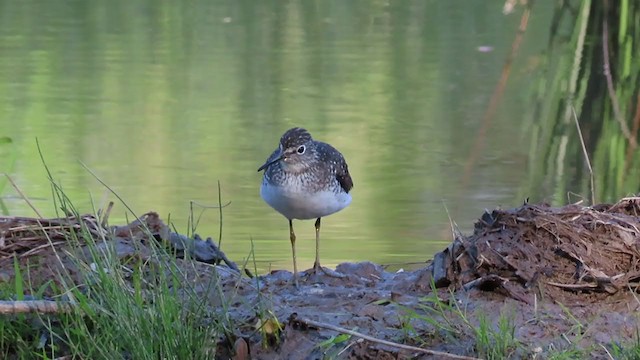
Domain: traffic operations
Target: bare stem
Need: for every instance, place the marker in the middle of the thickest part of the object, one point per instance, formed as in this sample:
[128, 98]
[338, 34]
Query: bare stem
[586, 157]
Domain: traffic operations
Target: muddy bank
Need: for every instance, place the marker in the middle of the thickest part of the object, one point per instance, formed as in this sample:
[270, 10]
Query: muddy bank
[562, 278]
[573, 254]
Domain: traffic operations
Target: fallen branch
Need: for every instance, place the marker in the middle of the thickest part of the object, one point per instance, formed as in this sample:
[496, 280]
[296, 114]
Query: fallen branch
[34, 306]
[379, 341]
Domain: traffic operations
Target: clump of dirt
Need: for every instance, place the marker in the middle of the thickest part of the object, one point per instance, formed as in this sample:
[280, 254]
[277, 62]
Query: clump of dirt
[569, 254]
[564, 278]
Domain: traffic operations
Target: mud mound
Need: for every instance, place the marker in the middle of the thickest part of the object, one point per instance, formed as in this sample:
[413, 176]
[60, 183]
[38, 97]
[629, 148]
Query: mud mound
[572, 253]
[45, 242]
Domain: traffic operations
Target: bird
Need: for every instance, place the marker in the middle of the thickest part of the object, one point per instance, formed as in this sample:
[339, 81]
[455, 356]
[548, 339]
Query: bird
[305, 179]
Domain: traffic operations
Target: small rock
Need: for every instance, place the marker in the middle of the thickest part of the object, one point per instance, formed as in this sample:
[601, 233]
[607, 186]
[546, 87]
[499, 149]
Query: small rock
[367, 270]
[241, 349]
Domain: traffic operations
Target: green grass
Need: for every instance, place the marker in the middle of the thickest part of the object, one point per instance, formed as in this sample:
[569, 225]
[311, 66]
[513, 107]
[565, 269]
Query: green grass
[436, 321]
[124, 307]
[627, 351]
[453, 324]
[335, 346]
[496, 343]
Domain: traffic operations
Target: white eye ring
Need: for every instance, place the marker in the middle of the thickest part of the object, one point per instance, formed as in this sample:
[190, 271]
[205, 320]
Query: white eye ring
[301, 149]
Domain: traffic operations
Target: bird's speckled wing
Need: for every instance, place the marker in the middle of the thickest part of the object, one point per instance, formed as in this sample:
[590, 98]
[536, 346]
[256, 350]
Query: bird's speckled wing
[338, 165]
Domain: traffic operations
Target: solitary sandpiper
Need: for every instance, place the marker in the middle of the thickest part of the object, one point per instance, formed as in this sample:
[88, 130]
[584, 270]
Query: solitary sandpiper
[305, 179]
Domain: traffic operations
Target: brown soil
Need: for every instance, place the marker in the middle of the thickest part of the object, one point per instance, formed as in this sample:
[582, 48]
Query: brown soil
[565, 277]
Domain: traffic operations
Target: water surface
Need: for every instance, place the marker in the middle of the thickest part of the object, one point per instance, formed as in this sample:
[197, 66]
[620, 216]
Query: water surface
[162, 100]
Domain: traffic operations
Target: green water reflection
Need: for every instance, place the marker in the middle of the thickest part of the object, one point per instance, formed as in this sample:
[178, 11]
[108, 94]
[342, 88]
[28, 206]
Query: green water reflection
[162, 99]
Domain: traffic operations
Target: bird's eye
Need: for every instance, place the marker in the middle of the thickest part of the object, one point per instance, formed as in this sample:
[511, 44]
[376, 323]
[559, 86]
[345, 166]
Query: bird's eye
[301, 149]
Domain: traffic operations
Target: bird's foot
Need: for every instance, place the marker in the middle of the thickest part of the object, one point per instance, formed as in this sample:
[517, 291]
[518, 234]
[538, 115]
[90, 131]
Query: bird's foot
[294, 281]
[317, 269]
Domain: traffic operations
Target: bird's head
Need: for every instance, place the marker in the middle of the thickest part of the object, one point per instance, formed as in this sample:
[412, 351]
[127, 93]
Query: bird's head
[294, 152]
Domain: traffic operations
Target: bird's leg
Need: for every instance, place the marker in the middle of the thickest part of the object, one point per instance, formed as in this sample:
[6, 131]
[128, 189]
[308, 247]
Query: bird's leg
[316, 264]
[292, 237]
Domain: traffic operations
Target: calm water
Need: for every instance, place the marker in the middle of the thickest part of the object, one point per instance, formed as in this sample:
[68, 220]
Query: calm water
[162, 99]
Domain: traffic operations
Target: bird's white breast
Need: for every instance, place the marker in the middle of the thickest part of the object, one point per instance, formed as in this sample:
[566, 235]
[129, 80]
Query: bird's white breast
[293, 203]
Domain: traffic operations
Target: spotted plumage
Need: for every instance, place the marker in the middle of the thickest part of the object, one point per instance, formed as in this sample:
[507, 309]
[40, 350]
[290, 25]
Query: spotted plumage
[305, 179]
[292, 180]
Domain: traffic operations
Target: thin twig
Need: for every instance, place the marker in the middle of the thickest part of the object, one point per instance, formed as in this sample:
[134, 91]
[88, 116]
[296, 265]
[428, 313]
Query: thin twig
[455, 231]
[26, 199]
[105, 216]
[211, 206]
[380, 341]
[573, 286]
[586, 157]
[194, 222]
[607, 351]
[220, 210]
[192, 227]
[38, 248]
[204, 207]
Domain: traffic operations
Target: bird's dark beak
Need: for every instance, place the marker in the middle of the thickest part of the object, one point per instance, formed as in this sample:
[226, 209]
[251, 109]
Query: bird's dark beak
[269, 163]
